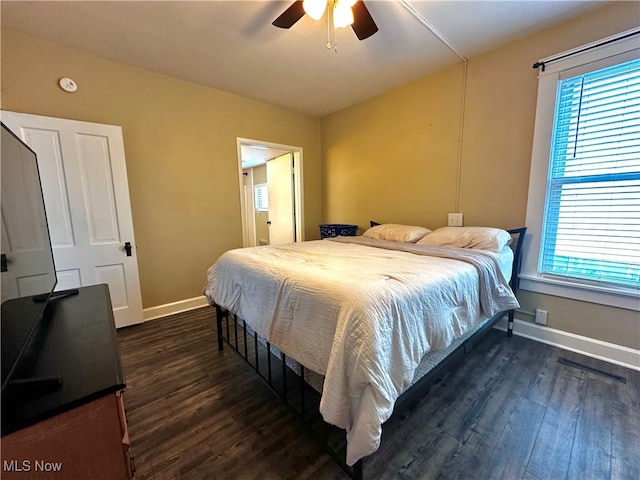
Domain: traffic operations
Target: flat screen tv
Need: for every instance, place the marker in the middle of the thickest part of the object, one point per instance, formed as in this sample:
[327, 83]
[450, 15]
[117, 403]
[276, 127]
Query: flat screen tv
[28, 275]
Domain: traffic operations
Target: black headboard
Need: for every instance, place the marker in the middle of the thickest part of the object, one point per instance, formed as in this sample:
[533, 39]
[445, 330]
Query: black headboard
[517, 234]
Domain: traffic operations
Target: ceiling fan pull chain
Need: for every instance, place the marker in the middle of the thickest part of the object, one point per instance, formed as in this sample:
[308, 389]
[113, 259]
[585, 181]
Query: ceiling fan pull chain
[333, 23]
[328, 28]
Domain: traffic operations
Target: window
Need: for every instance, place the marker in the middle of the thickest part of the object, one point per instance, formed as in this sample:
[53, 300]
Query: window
[261, 195]
[592, 215]
[583, 209]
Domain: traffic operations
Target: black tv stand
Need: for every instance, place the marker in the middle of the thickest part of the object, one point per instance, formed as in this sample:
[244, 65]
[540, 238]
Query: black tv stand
[35, 385]
[80, 424]
[56, 295]
[78, 344]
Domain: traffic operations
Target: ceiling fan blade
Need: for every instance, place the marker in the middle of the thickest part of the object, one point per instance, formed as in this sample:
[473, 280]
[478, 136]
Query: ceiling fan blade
[363, 24]
[290, 16]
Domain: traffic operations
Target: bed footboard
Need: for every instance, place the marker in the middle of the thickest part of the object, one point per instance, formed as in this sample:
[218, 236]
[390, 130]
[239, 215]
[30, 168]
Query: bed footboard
[220, 315]
[289, 381]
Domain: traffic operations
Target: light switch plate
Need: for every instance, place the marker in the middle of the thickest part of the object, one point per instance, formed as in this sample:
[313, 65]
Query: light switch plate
[455, 220]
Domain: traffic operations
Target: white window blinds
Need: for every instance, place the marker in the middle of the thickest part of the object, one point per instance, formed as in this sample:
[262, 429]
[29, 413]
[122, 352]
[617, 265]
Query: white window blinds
[261, 194]
[592, 211]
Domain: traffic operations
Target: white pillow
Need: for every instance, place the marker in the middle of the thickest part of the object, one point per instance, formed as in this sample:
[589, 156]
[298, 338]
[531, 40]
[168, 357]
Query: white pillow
[483, 238]
[396, 233]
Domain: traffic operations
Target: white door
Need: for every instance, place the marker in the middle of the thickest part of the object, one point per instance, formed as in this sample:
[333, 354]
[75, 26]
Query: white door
[84, 181]
[25, 244]
[281, 206]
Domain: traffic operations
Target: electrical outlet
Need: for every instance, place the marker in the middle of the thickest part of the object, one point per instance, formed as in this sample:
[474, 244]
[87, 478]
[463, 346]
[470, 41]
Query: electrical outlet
[541, 316]
[455, 220]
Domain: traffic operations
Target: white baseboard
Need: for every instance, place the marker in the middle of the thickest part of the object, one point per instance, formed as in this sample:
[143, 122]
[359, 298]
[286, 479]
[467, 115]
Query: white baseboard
[609, 352]
[160, 311]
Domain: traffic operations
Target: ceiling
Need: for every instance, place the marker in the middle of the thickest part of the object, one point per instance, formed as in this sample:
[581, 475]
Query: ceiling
[232, 46]
[253, 155]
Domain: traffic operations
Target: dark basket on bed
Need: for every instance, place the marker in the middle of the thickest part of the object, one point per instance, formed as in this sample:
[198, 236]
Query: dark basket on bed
[337, 230]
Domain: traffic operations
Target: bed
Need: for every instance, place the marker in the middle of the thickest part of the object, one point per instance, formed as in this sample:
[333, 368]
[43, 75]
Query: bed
[365, 322]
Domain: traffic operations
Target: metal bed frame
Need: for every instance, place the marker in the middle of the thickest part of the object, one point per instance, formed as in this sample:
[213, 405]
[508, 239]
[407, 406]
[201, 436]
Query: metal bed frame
[287, 379]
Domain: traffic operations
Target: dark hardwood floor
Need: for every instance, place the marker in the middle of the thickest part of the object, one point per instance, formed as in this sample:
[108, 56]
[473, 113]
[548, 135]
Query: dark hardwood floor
[510, 411]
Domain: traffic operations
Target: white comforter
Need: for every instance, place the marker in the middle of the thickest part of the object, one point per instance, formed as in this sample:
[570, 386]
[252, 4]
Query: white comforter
[363, 313]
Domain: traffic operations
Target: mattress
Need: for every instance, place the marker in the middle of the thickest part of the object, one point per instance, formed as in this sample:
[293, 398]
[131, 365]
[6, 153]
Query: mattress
[363, 313]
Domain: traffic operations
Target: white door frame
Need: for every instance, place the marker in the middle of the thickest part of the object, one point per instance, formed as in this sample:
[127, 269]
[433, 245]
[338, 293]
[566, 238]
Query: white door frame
[298, 186]
[248, 210]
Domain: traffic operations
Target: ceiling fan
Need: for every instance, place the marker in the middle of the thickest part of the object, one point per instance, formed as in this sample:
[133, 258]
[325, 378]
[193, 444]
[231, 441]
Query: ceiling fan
[345, 13]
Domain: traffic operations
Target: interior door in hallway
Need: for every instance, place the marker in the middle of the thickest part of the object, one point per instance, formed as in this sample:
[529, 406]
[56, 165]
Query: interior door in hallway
[280, 183]
[84, 181]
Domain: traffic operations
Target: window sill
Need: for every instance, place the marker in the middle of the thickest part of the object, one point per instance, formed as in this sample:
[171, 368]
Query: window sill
[629, 299]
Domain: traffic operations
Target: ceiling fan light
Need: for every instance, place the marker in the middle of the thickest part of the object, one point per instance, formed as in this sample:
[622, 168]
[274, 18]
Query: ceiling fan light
[342, 14]
[314, 8]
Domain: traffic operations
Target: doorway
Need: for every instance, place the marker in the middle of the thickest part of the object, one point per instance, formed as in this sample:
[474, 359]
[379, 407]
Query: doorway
[271, 192]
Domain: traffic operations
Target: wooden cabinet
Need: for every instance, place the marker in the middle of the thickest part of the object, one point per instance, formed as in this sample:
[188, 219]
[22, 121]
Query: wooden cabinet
[79, 430]
[87, 442]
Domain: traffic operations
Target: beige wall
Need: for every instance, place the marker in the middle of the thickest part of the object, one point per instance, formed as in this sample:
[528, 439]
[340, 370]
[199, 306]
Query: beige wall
[180, 143]
[394, 158]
